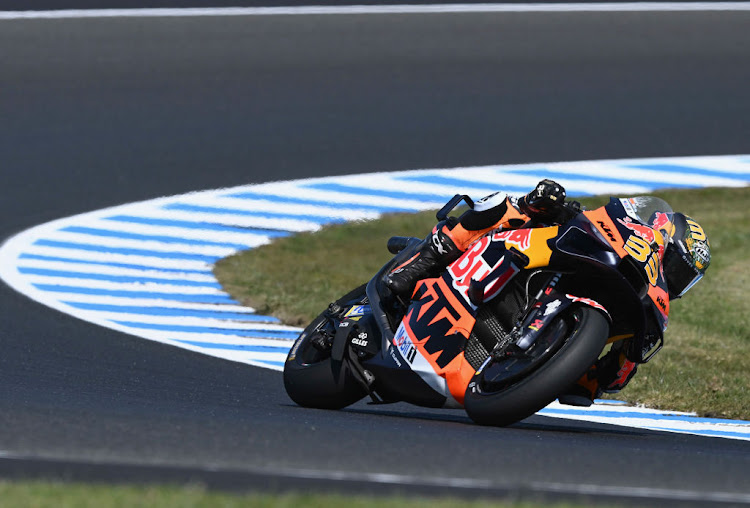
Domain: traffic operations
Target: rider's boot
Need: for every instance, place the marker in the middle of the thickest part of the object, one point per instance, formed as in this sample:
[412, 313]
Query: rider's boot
[610, 374]
[436, 252]
[584, 391]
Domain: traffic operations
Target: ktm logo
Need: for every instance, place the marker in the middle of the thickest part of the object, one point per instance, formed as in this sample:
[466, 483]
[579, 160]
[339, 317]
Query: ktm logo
[606, 229]
[661, 303]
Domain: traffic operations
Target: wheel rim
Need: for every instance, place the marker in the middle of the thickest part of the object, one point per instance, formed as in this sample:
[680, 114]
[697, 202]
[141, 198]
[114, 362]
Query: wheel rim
[516, 364]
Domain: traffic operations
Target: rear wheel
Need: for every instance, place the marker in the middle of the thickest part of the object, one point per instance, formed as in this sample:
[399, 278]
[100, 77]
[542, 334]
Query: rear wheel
[515, 386]
[308, 376]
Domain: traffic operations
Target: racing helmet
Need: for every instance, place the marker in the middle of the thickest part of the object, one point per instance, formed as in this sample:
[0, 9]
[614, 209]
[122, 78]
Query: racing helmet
[687, 255]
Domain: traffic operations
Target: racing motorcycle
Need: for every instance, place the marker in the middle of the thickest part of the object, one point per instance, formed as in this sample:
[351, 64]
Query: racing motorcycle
[505, 329]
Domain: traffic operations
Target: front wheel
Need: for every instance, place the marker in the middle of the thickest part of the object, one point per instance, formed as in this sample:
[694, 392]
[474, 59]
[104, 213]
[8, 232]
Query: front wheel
[308, 374]
[500, 399]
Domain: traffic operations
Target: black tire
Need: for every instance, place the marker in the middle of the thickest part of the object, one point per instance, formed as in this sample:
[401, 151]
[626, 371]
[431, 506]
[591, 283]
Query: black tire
[308, 375]
[587, 331]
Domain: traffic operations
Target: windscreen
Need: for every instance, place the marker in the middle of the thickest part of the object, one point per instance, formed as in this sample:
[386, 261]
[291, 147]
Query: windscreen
[654, 212]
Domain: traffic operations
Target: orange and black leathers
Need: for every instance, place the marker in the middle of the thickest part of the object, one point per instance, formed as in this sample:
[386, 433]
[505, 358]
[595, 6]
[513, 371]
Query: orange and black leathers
[543, 205]
[450, 238]
[474, 224]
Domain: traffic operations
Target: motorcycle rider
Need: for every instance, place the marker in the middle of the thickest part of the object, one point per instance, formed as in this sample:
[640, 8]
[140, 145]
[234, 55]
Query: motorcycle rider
[686, 259]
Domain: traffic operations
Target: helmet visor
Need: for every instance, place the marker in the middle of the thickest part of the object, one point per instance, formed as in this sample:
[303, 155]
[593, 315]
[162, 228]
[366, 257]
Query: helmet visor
[680, 272]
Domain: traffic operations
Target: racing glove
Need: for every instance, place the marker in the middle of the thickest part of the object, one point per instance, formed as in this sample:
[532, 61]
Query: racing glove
[545, 202]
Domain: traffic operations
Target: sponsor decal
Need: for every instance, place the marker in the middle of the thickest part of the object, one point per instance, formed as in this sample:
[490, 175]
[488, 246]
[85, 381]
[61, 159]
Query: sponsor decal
[404, 345]
[537, 325]
[473, 266]
[293, 352]
[439, 324]
[548, 290]
[437, 241]
[661, 221]
[697, 244]
[552, 307]
[357, 311]
[521, 238]
[628, 206]
[642, 231]
[395, 359]
[646, 245]
[640, 250]
[588, 301]
[702, 255]
[494, 288]
[662, 304]
[360, 340]
[470, 266]
[608, 231]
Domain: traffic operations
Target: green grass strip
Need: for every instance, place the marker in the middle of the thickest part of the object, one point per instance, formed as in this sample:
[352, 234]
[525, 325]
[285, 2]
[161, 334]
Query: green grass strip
[704, 366]
[74, 495]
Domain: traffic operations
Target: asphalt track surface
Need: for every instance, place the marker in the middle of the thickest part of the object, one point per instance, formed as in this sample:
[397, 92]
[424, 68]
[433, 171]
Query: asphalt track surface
[101, 112]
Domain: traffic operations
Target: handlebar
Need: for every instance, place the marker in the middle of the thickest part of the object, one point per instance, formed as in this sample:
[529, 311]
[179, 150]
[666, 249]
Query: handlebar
[398, 243]
[573, 208]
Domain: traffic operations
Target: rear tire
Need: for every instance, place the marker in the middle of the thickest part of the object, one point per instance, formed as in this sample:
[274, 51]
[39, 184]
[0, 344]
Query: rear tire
[587, 331]
[308, 375]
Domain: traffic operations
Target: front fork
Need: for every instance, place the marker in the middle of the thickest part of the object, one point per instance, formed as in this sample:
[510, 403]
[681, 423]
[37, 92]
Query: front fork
[549, 303]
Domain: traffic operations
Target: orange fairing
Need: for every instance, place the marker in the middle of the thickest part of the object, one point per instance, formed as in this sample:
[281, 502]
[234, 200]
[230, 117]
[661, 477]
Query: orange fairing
[456, 322]
[601, 219]
[458, 375]
[661, 300]
[531, 242]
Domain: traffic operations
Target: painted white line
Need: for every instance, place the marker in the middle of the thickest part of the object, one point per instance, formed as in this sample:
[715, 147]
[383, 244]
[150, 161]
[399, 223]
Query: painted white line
[618, 492]
[74, 266]
[112, 258]
[282, 336]
[379, 9]
[155, 287]
[238, 324]
[501, 487]
[257, 220]
[264, 198]
[82, 300]
[244, 341]
[79, 240]
[189, 234]
[652, 419]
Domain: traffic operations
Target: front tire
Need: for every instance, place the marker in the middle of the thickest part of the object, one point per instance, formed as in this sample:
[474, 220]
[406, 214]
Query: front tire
[308, 374]
[586, 332]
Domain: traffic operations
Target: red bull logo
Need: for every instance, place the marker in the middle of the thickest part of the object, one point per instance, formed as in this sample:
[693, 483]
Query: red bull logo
[521, 238]
[644, 232]
[661, 221]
